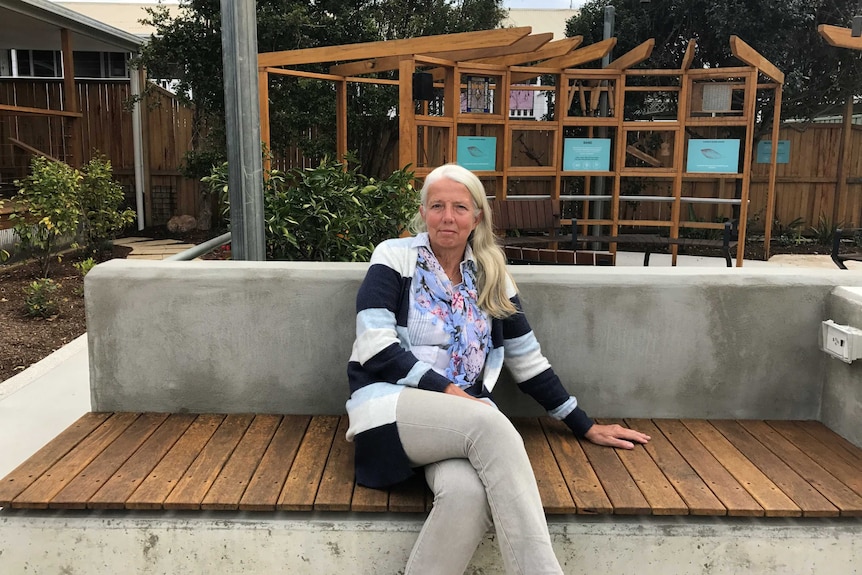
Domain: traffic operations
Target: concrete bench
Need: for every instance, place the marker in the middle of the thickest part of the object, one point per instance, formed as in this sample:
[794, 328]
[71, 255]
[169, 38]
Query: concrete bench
[750, 420]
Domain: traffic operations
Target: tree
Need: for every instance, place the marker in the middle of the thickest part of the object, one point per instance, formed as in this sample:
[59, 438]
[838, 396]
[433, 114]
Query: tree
[302, 111]
[818, 77]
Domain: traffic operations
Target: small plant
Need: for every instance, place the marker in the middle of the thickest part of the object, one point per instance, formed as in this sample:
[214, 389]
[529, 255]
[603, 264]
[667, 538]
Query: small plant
[39, 298]
[49, 196]
[824, 231]
[85, 266]
[100, 197]
[790, 234]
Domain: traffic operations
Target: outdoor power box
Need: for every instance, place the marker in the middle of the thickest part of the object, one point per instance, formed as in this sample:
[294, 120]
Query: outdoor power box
[841, 341]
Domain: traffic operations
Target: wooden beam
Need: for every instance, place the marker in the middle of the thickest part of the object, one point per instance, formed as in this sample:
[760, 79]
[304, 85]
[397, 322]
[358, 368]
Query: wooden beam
[525, 45]
[75, 153]
[265, 132]
[586, 54]
[689, 55]
[551, 50]
[634, 56]
[751, 57]
[840, 37]
[25, 111]
[641, 155]
[28, 148]
[405, 47]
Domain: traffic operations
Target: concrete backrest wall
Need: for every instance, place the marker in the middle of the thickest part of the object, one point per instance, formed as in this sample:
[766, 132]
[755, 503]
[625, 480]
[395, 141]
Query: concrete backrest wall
[645, 342]
[842, 394]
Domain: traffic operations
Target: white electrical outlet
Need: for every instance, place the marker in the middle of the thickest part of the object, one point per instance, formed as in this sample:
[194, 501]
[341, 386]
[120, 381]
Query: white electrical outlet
[841, 341]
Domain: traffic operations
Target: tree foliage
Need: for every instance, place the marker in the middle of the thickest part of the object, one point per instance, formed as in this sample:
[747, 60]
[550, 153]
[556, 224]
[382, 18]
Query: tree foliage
[818, 77]
[302, 111]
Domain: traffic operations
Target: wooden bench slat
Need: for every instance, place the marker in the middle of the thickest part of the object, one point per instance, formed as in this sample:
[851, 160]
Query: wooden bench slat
[367, 500]
[774, 502]
[732, 495]
[655, 487]
[122, 484]
[843, 470]
[621, 489]
[688, 484]
[848, 502]
[835, 442]
[336, 487]
[552, 486]
[265, 485]
[78, 491]
[229, 486]
[199, 477]
[584, 485]
[302, 482]
[31, 469]
[409, 497]
[809, 500]
[156, 487]
[40, 493]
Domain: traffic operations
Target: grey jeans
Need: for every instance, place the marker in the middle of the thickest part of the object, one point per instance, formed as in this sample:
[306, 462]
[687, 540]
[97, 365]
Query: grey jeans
[478, 470]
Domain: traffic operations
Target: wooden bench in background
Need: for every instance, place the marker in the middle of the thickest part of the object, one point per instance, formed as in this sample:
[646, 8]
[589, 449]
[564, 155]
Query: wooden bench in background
[529, 255]
[649, 242]
[155, 461]
[838, 257]
[536, 222]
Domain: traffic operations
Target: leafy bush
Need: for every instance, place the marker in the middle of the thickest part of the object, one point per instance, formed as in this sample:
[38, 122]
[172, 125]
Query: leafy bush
[100, 198]
[84, 266]
[49, 196]
[329, 213]
[825, 230]
[39, 298]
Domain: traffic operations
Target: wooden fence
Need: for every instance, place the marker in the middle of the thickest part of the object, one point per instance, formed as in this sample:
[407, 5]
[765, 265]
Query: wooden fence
[807, 186]
[106, 127]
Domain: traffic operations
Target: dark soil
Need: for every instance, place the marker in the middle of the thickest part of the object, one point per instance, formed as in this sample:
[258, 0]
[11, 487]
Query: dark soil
[24, 340]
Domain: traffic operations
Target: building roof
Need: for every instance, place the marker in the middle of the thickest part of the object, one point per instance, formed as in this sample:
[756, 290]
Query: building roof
[123, 15]
[36, 25]
[541, 20]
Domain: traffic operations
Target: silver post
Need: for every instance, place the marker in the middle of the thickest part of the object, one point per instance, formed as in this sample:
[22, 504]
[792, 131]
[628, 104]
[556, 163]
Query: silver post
[242, 123]
[607, 32]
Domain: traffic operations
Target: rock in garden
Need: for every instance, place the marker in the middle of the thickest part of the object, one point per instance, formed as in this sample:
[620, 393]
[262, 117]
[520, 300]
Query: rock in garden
[182, 224]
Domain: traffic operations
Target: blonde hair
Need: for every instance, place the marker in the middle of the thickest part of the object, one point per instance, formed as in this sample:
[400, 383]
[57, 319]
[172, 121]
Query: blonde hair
[492, 274]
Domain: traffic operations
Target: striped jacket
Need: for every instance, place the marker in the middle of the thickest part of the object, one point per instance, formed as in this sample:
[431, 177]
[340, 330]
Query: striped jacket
[381, 364]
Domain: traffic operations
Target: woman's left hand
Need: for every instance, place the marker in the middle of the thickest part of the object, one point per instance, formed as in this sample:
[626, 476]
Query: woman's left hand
[615, 436]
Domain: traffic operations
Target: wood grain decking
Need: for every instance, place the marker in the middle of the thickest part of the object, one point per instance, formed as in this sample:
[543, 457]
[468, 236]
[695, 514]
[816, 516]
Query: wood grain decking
[303, 463]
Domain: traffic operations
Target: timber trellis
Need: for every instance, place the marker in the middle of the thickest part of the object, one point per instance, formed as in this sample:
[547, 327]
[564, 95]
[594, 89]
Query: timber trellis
[488, 65]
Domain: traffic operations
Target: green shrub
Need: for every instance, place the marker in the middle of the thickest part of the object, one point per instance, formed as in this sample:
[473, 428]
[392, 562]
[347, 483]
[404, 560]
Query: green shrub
[49, 196]
[329, 213]
[825, 230]
[84, 266]
[100, 198]
[39, 298]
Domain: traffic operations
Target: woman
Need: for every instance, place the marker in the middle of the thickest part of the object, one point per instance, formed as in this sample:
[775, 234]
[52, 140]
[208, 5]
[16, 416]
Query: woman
[437, 316]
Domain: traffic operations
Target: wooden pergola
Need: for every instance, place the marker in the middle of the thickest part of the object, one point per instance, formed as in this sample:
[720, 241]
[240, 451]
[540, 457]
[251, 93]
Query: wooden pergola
[506, 60]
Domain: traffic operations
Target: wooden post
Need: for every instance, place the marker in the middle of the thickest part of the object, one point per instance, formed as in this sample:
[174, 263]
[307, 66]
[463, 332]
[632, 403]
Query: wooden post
[263, 97]
[406, 114]
[341, 121]
[749, 110]
[70, 101]
[770, 191]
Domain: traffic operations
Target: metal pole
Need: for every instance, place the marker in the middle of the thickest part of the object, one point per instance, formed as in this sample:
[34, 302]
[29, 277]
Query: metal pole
[242, 123]
[607, 32]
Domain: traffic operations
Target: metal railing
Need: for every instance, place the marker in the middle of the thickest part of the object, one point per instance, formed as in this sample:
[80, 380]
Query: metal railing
[200, 249]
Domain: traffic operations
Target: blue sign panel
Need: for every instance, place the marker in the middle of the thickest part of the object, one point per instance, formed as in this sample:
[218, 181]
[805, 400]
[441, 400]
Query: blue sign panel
[477, 153]
[587, 154]
[764, 149]
[720, 156]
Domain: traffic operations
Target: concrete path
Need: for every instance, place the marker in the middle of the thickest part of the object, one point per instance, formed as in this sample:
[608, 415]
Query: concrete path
[150, 249]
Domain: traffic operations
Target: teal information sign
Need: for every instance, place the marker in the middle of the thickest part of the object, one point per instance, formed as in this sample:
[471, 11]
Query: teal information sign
[477, 153]
[587, 154]
[720, 156]
[782, 154]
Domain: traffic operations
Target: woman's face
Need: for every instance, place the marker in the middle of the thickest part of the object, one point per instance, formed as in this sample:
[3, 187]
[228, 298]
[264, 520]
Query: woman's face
[450, 215]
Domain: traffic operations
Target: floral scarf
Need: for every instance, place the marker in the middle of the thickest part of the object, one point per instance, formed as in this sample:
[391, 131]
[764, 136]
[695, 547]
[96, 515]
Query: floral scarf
[456, 309]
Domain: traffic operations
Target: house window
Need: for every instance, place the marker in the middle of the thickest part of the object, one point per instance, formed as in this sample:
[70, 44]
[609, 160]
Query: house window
[87, 64]
[49, 64]
[45, 64]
